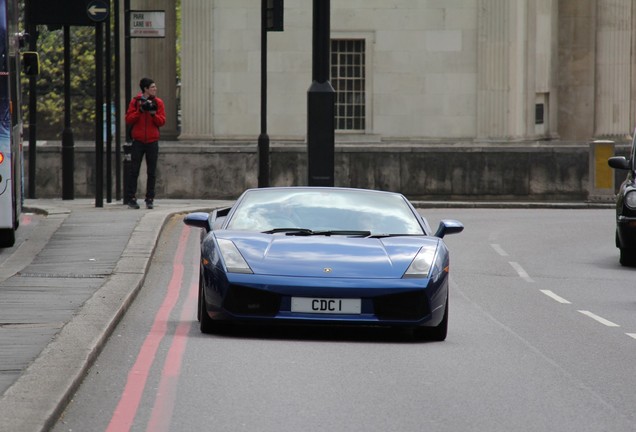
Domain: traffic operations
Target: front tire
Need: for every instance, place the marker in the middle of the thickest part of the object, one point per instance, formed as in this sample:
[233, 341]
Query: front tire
[206, 324]
[200, 297]
[437, 333]
[7, 237]
[628, 257]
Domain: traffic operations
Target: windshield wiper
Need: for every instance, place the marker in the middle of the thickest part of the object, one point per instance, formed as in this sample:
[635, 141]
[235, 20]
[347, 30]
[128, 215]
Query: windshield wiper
[308, 232]
[352, 233]
[392, 235]
[290, 231]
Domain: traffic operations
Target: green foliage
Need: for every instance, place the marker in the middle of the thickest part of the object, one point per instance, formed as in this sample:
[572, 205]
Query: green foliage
[50, 83]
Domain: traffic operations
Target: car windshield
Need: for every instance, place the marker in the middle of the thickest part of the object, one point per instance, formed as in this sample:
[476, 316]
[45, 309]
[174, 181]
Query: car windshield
[320, 211]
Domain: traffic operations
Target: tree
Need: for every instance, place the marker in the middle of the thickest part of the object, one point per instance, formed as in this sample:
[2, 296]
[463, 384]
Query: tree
[50, 83]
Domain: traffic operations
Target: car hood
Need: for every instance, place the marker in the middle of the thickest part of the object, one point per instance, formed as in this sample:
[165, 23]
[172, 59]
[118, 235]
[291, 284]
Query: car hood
[328, 256]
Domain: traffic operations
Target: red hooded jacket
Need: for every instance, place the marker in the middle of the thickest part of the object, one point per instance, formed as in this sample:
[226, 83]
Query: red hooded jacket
[145, 126]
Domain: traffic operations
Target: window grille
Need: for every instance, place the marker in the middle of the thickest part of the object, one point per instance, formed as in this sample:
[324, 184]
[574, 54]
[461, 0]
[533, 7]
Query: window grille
[348, 72]
[539, 114]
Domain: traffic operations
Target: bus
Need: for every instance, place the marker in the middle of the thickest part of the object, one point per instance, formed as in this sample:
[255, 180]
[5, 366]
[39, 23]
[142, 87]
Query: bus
[11, 157]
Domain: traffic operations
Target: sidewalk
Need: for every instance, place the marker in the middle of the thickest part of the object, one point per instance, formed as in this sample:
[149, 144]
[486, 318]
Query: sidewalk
[62, 293]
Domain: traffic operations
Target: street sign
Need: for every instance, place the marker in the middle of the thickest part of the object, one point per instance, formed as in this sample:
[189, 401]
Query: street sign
[97, 10]
[62, 12]
[147, 24]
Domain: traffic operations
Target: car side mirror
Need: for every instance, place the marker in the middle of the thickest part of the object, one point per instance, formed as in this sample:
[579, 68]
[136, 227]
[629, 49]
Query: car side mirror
[198, 220]
[449, 226]
[618, 162]
[30, 63]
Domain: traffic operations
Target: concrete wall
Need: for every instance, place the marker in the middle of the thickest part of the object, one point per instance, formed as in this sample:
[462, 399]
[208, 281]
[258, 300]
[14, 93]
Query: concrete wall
[448, 171]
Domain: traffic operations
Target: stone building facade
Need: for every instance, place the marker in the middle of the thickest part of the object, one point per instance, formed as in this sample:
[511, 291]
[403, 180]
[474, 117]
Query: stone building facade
[474, 70]
[438, 99]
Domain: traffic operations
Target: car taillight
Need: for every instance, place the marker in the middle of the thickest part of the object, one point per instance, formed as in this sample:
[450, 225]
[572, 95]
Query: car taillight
[1, 157]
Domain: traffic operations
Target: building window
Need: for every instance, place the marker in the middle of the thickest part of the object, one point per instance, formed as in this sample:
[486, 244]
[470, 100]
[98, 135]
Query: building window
[538, 114]
[542, 114]
[348, 80]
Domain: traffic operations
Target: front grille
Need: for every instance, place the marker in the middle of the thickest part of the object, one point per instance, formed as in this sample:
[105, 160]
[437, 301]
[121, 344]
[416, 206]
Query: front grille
[243, 300]
[412, 305]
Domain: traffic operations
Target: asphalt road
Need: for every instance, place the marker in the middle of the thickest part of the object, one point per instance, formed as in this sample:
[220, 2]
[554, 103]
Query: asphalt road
[542, 337]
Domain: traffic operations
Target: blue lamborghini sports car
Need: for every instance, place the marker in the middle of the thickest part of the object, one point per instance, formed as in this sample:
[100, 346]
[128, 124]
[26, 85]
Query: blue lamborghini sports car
[312, 255]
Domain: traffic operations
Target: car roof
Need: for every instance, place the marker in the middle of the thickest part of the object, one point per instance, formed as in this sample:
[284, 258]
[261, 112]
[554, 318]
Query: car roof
[318, 188]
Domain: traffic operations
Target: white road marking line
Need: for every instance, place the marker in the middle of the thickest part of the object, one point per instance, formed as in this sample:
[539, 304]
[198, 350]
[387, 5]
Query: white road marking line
[599, 319]
[631, 335]
[555, 297]
[499, 250]
[520, 271]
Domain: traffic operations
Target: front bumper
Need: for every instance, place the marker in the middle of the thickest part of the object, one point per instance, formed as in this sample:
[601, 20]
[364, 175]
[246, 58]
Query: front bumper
[407, 302]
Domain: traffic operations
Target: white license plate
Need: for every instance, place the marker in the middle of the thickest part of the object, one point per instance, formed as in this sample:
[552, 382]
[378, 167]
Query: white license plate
[326, 305]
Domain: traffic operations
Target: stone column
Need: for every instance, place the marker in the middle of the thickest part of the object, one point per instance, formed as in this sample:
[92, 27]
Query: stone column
[542, 67]
[156, 58]
[553, 103]
[197, 67]
[577, 42]
[613, 68]
[501, 69]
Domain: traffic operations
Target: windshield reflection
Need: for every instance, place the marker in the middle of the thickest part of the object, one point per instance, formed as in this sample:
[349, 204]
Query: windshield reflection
[324, 209]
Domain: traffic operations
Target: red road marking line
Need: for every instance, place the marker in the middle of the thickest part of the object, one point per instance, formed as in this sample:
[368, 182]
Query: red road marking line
[161, 415]
[128, 405]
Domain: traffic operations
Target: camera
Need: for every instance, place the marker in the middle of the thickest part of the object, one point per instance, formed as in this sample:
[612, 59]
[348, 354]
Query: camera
[148, 105]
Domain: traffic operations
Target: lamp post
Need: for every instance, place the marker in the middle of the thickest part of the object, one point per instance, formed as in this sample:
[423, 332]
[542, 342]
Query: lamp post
[32, 29]
[68, 145]
[263, 138]
[127, 96]
[320, 103]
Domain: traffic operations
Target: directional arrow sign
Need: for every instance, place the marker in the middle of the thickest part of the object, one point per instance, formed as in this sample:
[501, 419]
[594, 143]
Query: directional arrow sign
[97, 10]
[63, 12]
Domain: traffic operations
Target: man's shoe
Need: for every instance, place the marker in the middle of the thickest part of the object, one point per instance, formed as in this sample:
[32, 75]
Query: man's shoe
[133, 204]
[149, 205]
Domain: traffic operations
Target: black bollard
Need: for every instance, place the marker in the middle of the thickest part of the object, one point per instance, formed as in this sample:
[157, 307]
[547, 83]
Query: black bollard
[126, 168]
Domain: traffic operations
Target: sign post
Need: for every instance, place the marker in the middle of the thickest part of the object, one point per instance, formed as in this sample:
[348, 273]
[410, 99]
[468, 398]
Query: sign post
[97, 11]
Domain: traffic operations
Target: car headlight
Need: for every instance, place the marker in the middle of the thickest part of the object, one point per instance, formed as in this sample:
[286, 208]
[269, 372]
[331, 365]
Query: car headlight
[630, 199]
[422, 264]
[234, 261]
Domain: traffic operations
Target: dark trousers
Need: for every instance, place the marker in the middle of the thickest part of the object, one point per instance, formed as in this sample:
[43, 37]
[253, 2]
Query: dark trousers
[137, 152]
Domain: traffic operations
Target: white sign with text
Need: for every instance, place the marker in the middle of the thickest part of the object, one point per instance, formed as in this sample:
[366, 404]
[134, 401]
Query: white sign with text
[147, 24]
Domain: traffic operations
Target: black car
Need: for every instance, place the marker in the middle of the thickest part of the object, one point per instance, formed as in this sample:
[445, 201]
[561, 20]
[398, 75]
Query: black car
[626, 207]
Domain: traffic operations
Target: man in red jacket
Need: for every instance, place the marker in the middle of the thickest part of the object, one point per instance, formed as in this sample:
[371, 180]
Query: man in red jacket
[146, 114]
